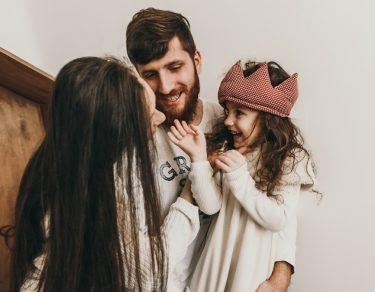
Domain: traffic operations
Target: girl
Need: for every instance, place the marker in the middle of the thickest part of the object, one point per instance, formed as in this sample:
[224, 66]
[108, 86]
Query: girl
[263, 165]
[88, 212]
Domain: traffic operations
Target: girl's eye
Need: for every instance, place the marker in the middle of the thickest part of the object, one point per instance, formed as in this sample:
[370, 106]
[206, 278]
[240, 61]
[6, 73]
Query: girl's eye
[239, 113]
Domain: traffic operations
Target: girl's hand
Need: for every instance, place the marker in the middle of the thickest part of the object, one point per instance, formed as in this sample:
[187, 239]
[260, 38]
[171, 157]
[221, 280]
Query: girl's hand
[212, 160]
[230, 161]
[190, 139]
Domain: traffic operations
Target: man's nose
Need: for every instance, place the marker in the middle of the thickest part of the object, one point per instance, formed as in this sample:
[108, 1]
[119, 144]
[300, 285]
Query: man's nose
[166, 84]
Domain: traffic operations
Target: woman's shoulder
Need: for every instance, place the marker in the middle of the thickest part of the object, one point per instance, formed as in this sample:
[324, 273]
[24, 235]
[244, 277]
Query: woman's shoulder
[298, 169]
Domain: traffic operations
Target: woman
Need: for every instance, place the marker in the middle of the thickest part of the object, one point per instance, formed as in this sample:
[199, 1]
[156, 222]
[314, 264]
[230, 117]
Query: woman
[88, 215]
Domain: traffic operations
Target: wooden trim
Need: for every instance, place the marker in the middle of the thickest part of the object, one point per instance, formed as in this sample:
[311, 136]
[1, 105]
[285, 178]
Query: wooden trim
[25, 79]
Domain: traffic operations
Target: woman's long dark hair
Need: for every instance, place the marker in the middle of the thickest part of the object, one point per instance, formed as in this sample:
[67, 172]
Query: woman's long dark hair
[68, 207]
[278, 140]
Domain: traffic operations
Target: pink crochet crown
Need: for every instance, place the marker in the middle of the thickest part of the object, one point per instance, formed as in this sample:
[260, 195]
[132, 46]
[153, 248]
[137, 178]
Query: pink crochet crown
[257, 92]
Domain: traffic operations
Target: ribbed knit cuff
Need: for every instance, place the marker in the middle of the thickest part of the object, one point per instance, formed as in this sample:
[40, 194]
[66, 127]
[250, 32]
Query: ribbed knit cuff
[200, 172]
[201, 166]
[185, 207]
[236, 174]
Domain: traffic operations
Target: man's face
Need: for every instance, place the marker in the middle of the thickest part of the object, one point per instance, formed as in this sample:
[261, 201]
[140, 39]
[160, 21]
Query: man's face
[174, 79]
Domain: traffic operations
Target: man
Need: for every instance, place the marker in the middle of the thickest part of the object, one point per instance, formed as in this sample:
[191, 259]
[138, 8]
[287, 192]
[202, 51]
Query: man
[160, 45]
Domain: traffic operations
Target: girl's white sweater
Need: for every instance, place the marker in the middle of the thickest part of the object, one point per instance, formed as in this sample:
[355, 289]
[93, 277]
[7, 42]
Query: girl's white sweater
[249, 234]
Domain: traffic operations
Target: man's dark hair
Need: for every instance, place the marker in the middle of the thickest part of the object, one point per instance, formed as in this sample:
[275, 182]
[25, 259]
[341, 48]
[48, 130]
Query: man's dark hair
[150, 31]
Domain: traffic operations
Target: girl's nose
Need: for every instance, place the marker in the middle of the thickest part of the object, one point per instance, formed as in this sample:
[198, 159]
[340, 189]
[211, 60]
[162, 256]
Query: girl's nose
[228, 121]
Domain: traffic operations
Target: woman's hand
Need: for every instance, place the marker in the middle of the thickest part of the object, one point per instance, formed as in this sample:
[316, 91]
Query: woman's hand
[230, 161]
[190, 139]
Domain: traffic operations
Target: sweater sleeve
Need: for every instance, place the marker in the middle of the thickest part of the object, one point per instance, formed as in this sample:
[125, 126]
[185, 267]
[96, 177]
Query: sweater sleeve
[264, 210]
[284, 241]
[206, 192]
[300, 176]
[180, 227]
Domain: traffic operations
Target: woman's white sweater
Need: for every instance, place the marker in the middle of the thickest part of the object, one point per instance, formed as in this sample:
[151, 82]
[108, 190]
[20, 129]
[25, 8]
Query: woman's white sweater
[179, 229]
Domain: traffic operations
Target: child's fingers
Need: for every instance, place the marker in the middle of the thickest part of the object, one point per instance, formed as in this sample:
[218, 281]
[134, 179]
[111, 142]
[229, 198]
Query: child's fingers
[197, 130]
[238, 156]
[227, 160]
[176, 133]
[187, 128]
[235, 156]
[172, 138]
[221, 165]
[179, 128]
[231, 155]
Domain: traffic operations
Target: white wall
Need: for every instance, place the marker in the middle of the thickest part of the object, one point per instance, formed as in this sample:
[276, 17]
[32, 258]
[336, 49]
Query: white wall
[329, 43]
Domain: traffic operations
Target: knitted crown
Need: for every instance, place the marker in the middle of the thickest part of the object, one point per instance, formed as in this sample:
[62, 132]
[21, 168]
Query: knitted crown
[257, 92]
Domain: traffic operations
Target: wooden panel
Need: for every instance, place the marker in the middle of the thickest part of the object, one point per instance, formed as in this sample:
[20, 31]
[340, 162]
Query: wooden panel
[21, 132]
[24, 79]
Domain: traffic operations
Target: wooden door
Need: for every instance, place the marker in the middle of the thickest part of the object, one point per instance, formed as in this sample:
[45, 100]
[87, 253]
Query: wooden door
[24, 96]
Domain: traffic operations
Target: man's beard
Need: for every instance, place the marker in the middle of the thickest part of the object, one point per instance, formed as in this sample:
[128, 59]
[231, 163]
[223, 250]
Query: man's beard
[189, 108]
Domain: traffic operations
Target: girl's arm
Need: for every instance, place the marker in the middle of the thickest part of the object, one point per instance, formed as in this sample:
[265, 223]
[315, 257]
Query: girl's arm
[301, 177]
[205, 190]
[264, 210]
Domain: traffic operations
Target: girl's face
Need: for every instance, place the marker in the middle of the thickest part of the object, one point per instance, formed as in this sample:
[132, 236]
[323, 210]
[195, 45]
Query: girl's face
[156, 117]
[243, 123]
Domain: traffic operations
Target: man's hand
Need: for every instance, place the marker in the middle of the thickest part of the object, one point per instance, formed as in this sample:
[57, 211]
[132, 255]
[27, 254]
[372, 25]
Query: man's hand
[190, 139]
[279, 280]
[230, 161]
[186, 193]
[268, 286]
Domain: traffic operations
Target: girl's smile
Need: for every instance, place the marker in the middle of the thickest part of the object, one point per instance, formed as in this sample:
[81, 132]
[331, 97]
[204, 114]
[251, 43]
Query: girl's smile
[242, 123]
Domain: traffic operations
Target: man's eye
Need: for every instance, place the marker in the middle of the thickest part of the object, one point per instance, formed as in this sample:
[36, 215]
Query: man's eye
[149, 75]
[175, 68]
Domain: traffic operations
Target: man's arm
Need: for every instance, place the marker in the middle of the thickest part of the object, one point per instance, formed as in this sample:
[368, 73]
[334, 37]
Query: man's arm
[279, 280]
[285, 246]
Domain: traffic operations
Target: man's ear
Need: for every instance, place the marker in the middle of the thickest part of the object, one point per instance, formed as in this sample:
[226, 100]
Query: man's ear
[198, 61]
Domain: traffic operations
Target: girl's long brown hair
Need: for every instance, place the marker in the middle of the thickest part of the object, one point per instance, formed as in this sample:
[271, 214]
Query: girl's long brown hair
[278, 140]
[98, 119]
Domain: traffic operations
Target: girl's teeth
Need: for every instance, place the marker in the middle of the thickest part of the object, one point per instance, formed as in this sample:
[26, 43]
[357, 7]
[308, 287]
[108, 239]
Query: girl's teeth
[173, 98]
